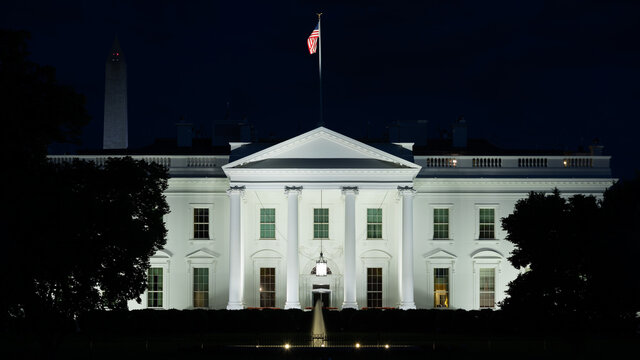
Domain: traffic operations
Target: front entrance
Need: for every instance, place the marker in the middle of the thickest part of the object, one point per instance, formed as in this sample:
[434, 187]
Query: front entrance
[321, 292]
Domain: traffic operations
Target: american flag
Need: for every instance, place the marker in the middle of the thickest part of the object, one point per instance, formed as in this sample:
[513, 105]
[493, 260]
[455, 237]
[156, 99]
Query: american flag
[312, 41]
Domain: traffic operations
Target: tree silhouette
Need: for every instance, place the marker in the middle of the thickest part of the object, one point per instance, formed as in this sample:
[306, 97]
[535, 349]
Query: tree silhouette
[89, 247]
[76, 236]
[577, 255]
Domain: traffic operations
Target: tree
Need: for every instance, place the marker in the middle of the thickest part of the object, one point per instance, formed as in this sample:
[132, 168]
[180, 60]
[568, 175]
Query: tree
[553, 238]
[102, 225]
[577, 255]
[36, 109]
[615, 288]
[76, 236]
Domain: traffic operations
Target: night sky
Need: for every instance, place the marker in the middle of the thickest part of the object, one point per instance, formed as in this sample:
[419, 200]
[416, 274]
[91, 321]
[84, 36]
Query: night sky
[525, 74]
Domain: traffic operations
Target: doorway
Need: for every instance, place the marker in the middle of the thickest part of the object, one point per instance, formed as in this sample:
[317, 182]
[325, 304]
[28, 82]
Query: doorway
[321, 292]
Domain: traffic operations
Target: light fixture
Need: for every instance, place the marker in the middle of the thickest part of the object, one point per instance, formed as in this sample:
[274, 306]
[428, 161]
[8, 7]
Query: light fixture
[321, 263]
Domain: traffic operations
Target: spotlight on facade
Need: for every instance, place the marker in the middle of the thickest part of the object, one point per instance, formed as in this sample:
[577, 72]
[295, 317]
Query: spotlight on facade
[287, 346]
[386, 346]
[357, 345]
[321, 266]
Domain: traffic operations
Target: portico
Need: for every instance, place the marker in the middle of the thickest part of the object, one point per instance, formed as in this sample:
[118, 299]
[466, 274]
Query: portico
[328, 184]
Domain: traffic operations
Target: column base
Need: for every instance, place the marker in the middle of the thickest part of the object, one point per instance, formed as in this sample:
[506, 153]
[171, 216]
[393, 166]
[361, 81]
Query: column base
[235, 306]
[292, 305]
[350, 305]
[408, 306]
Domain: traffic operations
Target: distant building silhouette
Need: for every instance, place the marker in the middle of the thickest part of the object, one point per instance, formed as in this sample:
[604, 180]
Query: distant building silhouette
[115, 100]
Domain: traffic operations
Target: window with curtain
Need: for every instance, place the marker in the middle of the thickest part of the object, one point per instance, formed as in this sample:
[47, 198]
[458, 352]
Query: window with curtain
[267, 223]
[440, 223]
[201, 287]
[374, 223]
[441, 287]
[487, 288]
[487, 224]
[154, 287]
[320, 223]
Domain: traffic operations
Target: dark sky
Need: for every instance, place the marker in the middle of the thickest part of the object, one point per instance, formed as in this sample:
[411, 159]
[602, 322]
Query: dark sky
[525, 74]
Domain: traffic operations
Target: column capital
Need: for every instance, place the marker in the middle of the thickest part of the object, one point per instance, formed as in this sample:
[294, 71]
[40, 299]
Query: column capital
[235, 190]
[293, 189]
[406, 190]
[349, 190]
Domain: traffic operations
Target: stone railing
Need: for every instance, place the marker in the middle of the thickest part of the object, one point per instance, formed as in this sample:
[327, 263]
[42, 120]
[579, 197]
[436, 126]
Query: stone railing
[578, 162]
[177, 164]
[100, 159]
[551, 165]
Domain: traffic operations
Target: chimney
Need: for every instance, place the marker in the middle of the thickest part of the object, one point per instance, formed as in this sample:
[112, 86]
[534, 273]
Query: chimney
[185, 133]
[245, 130]
[595, 148]
[460, 133]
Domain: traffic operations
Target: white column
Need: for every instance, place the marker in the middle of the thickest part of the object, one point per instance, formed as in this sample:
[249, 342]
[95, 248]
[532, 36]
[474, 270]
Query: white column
[406, 297]
[236, 283]
[350, 247]
[293, 262]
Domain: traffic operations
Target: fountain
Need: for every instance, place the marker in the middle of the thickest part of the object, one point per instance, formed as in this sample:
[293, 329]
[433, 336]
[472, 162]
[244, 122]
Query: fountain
[318, 331]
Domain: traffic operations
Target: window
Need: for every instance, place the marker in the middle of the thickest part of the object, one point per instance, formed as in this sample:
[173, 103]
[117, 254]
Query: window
[201, 287]
[374, 223]
[267, 223]
[267, 287]
[487, 288]
[154, 287]
[320, 223]
[441, 287]
[374, 287]
[201, 223]
[440, 223]
[487, 223]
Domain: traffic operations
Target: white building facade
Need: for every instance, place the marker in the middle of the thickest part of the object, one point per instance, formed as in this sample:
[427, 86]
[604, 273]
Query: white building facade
[248, 232]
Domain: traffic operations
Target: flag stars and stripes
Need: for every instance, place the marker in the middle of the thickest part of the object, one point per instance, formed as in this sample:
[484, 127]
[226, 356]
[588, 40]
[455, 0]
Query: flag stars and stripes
[312, 41]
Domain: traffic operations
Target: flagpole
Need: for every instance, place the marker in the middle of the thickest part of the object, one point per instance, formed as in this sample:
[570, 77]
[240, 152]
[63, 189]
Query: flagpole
[320, 65]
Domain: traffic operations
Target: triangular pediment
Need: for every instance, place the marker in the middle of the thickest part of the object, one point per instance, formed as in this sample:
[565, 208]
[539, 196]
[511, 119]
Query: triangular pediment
[202, 254]
[439, 254]
[321, 148]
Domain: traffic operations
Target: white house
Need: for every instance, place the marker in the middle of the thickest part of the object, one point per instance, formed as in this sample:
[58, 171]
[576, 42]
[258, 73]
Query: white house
[394, 233]
[396, 226]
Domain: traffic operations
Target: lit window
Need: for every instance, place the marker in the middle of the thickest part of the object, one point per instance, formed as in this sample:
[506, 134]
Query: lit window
[440, 223]
[267, 223]
[154, 287]
[374, 287]
[320, 223]
[200, 223]
[201, 287]
[374, 223]
[267, 287]
[441, 287]
[487, 288]
[487, 224]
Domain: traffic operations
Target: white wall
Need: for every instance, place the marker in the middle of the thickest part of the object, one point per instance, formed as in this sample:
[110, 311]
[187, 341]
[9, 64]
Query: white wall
[463, 253]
